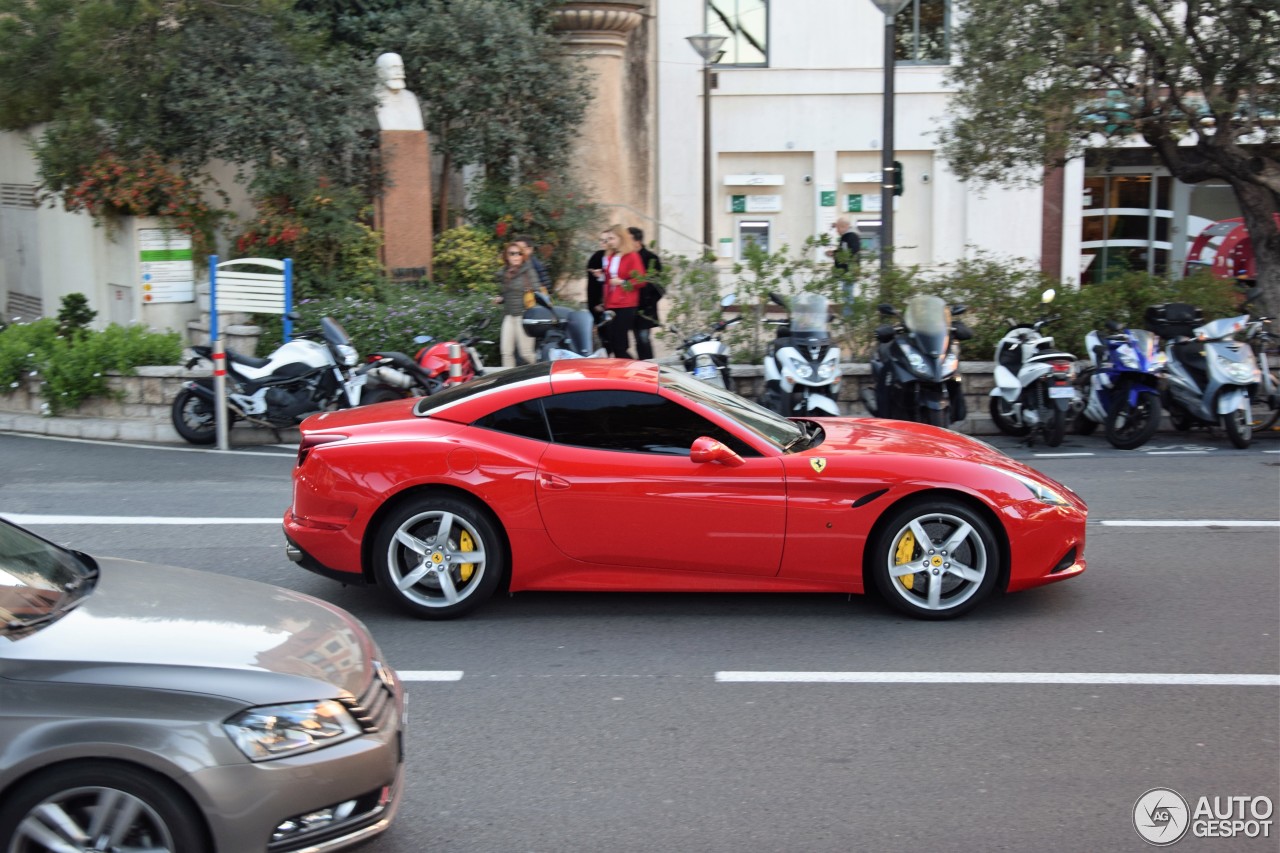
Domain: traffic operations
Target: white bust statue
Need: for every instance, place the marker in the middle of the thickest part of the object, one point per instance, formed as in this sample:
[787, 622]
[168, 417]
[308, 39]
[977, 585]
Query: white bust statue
[398, 108]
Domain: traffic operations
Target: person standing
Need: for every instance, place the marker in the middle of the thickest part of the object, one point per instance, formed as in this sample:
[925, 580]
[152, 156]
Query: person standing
[650, 294]
[517, 282]
[544, 277]
[623, 280]
[595, 282]
[844, 257]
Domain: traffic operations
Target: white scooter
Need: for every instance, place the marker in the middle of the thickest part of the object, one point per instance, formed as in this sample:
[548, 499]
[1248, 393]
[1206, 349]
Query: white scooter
[1034, 382]
[801, 365]
[704, 354]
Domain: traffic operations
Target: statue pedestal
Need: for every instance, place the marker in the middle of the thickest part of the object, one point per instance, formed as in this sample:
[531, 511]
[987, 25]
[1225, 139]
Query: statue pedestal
[403, 211]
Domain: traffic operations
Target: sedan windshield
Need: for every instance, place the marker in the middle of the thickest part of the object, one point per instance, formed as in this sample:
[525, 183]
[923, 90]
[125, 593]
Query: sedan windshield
[777, 430]
[38, 580]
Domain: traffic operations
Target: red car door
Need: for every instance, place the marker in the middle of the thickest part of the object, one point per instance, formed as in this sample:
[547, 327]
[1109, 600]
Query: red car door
[662, 511]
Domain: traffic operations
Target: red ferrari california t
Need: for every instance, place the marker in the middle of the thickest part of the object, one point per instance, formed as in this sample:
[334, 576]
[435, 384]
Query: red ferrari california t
[606, 474]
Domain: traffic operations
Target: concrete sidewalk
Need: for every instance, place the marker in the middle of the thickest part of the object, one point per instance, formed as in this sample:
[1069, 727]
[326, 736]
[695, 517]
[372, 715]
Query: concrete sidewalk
[131, 429]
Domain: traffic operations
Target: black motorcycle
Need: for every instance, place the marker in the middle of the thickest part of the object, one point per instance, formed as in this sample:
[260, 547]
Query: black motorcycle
[916, 365]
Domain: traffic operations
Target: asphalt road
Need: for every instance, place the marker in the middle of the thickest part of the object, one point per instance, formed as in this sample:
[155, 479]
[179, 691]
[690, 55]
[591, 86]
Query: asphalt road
[597, 722]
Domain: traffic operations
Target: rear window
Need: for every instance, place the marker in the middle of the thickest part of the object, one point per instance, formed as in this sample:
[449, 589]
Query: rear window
[480, 385]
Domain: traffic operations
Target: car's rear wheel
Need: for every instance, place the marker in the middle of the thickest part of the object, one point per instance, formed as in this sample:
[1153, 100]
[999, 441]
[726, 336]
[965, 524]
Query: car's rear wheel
[935, 559]
[99, 806]
[439, 556]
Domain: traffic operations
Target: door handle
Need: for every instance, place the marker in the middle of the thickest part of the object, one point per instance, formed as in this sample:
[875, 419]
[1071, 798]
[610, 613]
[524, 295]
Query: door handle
[550, 481]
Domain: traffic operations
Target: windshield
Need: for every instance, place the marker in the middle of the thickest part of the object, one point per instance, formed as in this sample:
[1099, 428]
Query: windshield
[809, 314]
[769, 425]
[38, 580]
[927, 315]
[333, 331]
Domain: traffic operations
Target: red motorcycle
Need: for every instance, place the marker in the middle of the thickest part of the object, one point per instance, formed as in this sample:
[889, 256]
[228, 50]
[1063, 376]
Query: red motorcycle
[437, 365]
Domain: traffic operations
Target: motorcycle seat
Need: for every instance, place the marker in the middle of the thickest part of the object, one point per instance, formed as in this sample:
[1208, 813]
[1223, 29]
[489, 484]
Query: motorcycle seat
[1191, 354]
[247, 360]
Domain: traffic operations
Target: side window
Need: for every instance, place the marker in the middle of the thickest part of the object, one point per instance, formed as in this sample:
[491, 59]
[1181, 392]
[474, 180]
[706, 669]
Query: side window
[922, 32]
[631, 421]
[745, 24]
[521, 419]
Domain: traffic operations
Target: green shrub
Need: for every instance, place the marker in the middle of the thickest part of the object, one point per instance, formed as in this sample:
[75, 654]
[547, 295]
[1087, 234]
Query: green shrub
[72, 368]
[75, 314]
[466, 260]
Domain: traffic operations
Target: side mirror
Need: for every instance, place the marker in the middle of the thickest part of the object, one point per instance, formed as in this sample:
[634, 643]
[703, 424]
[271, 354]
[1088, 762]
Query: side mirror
[543, 300]
[1048, 296]
[707, 449]
[423, 339]
[1113, 326]
[958, 308]
[777, 300]
[886, 309]
[962, 332]
[884, 334]
[294, 316]
[728, 300]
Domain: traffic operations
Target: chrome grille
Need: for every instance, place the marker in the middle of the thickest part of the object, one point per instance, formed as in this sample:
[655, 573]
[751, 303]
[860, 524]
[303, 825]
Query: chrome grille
[375, 707]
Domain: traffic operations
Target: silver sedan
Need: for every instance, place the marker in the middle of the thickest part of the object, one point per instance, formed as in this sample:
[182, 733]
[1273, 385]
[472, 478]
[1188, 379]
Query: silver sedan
[152, 708]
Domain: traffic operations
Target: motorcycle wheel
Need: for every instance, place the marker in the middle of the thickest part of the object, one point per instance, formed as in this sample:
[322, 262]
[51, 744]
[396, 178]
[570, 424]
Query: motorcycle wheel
[1179, 418]
[933, 417]
[380, 394]
[1129, 427]
[439, 556]
[1238, 427]
[1002, 416]
[915, 578]
[1055, 426]
[1263, 416]
[194, 418]
[1083, 425]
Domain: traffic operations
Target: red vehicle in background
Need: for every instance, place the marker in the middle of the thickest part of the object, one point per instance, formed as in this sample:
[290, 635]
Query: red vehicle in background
[1225, 248]
[436, 366]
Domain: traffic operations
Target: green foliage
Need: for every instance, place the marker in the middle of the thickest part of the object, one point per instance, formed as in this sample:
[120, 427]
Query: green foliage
[552, 211]
[465, 260]
[75, 314]
[72, 368]
[323, 228]
[392, 317]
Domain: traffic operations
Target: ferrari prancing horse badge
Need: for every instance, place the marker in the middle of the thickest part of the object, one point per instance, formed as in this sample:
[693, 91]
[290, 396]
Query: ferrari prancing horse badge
[818, 463]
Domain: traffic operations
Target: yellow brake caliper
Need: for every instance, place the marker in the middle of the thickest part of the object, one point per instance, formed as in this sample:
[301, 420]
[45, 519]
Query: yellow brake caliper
[906, 550]
[466, 544]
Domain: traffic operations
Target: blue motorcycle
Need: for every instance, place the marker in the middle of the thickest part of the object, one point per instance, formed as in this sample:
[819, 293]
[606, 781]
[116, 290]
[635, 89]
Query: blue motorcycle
[1121, 388]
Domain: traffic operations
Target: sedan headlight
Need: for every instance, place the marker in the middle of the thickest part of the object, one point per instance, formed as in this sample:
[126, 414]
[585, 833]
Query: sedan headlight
[1042, 493]
[274, 731]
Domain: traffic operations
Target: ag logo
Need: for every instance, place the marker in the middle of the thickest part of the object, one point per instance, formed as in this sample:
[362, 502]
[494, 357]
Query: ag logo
[1161, 816]
[818, 463]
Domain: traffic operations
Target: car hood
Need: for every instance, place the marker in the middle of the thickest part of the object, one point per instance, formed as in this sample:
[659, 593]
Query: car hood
[161, 627]
[869, 435]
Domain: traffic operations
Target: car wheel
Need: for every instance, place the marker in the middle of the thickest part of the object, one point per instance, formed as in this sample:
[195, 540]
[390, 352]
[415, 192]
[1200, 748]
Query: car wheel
[439, 556]
[1003, 417]
[935, 559]
[194, 418]
[99, 806]
[1129, 427]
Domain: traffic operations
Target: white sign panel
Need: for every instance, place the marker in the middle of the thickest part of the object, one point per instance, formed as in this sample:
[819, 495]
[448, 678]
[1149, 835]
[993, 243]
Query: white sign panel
[166, 268]
[861, 177]
[754, 180]
[764, 203]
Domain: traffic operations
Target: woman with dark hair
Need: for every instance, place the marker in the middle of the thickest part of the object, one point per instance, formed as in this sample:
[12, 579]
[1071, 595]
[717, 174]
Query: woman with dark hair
[517, 281]
[623, 274]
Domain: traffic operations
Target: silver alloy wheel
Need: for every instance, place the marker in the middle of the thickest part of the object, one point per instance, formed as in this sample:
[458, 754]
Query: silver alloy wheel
[937, 561]
[92, 818]
[436, 558]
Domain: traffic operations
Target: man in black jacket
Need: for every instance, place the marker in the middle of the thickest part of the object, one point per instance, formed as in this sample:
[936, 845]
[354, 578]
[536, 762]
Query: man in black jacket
[595, 283]
[647, 315]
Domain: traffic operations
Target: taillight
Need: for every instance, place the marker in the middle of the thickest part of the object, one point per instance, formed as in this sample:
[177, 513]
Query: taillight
[1060, 367]
[315, 440]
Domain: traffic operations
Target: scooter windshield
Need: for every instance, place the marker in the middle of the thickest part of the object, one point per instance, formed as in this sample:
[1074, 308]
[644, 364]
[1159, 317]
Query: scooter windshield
[580, 326]
[333, 332]
[809, 318]
[927, 315]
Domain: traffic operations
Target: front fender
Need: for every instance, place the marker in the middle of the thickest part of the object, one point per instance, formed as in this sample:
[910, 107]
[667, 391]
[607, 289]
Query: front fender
[1232, 399]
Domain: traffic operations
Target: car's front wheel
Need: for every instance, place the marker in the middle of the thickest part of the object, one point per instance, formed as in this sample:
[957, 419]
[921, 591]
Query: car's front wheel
[935, 559]
[439, 556]
[99, 806]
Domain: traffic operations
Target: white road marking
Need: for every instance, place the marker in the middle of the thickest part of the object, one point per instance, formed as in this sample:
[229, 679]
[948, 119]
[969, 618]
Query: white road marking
[1158, 678]
[145, 520]
[1177, 452]
[1059, 455]
[1186, 522]
[168, 447]
[430, 674]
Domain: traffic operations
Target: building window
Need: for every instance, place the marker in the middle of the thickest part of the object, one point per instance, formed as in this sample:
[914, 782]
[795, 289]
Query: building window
[745, 24]
[1125, 225]
[923, 33]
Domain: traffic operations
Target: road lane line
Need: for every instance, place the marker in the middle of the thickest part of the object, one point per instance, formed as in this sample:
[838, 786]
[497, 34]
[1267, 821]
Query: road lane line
[1157, 678]
[1187, 522]
[1058, 455]
[146, 520]
[429, 674]
[171, 448]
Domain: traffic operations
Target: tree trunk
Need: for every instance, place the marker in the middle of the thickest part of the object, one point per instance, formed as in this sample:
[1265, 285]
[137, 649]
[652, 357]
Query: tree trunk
[442, 220]
[1259, 206]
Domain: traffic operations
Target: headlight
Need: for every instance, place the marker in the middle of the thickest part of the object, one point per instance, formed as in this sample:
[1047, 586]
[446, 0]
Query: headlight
[1127, 357]
[917, 362]
[1241, 372]
[800, 368]
[951, 364]
[1042, 493]
[274, 731]
[349, 355]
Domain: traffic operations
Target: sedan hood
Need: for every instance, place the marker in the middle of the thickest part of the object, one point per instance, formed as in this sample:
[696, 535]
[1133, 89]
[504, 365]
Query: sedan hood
[869, 435]
[151, 626]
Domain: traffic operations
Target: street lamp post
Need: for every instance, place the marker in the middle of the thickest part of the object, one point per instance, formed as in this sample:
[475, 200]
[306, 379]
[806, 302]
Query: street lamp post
[890, 9]
[708, 47]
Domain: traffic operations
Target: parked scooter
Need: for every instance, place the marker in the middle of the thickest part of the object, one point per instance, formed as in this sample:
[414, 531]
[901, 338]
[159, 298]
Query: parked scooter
[1209, 372]
[916, 367]
[394, 375]
[300, 378]
[802, 365]
[1121, 388]
[561, 332]
[704, 354]
[1035, 388]
[1266, 394]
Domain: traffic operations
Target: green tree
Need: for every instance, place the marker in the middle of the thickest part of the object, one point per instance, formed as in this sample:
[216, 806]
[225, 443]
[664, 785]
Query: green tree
[1198, 81]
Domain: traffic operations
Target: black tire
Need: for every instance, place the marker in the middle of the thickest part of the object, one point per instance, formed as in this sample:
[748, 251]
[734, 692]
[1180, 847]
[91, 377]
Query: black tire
[1002, 416]
[1129, 427]
[63, 802]
[776, 401]
[1264, 417]
[418, 556]
[1055, 426]
[933, 417]
[194, 418]
[1084, 426]
[380, 394]
[1239, 427]
[1179, 418]
[947, 581]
